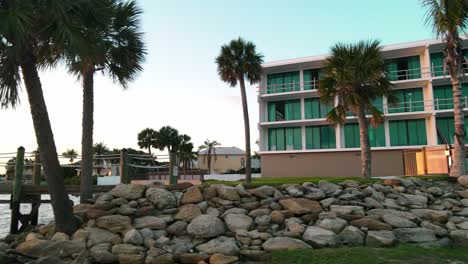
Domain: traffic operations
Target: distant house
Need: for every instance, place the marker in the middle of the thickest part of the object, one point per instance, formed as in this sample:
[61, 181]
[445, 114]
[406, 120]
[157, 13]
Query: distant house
[226, 159]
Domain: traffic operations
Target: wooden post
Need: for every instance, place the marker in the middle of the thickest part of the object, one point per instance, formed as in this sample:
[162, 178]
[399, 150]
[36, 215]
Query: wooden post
[173, 168]
[124, 167]
[16, 196]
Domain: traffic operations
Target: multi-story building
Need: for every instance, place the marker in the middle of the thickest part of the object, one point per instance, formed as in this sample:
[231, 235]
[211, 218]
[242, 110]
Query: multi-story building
[297, 140]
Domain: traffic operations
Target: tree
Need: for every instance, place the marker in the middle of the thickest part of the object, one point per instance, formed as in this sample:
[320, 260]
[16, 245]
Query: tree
[185, 153]
[99, 149]
[70, 154]
[113, 45]
[168, 138]
[355, 74]
[210, 152]
[32, 34]
[448, 18]
[238, 61]
[147, 139]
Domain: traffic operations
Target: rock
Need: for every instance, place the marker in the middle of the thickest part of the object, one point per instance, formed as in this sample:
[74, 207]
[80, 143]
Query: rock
[94, 213]
[414, 235]
[228, 193]
[151, 222]
[314, 193]
[382, 238]
[371, 224]
[432, 215]
[329, 188]
[223, 245]
[133, 237]
[259, 212]
[179, 186]
[223, 259]
[166, 258]
[350, 184]
[161, 198]
[101, 253]
[126, 249]
[463, 180]
[177, 228]
[42, 248]
[294, 229]
[131, 258]
[60, 237]
[206, 226]
[263, 220]
[234, 210]
[333, 224]
[392, 182]
[294, 190]
[352, 236]
[114, 223]
[277, 217]
[191, 258]
[320, 237]
[372, 203]
[397, 221]
[263, 192]
[463, 225]
[381, 212]
[98, 236]
[34, 236]
[301, 206]
[439, 231]
[192, 195]
[128, 191]
[459, 237]
[284, 243]
[416, 201]
[238, 221]
[463, 194]
[348, 212]
[187, 212]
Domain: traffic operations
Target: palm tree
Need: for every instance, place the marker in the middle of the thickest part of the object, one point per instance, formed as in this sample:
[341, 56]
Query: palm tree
[70, 154]
[147, 139]
[210, 152]
[448, 18]
[355, 74]
[113, 46]
[185, 151]
[239, 60]
[98, 149]
[32, 34]
[169, 138]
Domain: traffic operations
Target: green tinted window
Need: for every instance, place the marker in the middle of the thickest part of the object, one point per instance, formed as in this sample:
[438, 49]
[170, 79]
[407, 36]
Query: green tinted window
[284, 110]
[408, 132]
[283, 82]
[410, 100]
[289, 138]
[315, 109]
[352, 136]
[320, 137]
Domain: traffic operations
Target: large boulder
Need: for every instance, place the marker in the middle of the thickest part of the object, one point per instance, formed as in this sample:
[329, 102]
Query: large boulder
[371, 224]
[206, 226]
[151, 222]
[320, 237]
[284, 243]
[192, 195]
[238, 221]
[352, 236]
[381, 212]
[383, 238]
[329, 188]
[414, 235]
[188, 212]
[161, 198]
[398, 222]
[301, 206]
[222, 245]
[133, 237]
[348, 212]
[463, 180]
[459, 237]
[128, 191]
[114, 223]
[228, 193]
[99, 236]
[439, 216]
[333, 224]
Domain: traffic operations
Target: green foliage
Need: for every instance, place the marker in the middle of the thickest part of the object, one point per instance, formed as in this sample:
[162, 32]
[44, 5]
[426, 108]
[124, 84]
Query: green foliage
[70, 154]
[76, 180]
[147, 139]
[100, 149]
[357, 255]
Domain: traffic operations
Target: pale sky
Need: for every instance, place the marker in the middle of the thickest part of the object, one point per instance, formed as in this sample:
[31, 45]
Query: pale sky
[180, 86]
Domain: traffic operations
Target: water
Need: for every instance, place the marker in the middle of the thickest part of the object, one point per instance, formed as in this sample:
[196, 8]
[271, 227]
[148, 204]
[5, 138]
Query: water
[45, 212]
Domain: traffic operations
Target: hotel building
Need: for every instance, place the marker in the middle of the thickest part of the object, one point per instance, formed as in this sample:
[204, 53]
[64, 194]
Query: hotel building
[297, 140]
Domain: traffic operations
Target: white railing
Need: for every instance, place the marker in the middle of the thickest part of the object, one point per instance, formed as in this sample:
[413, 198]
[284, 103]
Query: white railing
[438, 71]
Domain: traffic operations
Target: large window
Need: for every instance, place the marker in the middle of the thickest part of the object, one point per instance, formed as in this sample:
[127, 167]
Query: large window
[352, 136]
[408, 132]
[284, 110]
[446, 127]
[437, 64]
[403, 68]
[311, 79]
[285, 138]
[315, 109]
[283, 82]
[320, 137]
[410, 100]
[443, 96]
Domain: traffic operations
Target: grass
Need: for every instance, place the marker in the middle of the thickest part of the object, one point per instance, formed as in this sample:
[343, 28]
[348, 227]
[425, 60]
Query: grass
[362, 255]
[299, 180]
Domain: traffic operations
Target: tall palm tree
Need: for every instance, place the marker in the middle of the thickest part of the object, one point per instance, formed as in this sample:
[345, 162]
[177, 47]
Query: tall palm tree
[170, 139]
[209, 148]
[355, 74]
[115, 47]
[238, 61]
[147, 139]
[29, 31]
[449, 18]
[185, 151]
[70, 154]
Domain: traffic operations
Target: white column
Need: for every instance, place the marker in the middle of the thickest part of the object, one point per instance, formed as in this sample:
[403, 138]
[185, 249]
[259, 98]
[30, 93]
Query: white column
[301, 78]
[303, 138]
[387, 133]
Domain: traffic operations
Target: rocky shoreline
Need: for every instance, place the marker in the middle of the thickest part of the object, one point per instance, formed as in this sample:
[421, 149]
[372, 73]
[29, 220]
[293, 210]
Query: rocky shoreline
[221, 224]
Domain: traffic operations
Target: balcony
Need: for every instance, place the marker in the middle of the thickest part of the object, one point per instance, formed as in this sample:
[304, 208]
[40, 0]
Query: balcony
[438, 71]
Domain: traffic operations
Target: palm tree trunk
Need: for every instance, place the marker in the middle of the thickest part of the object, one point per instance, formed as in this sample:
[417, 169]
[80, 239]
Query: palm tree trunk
[62, 206]
[248, 175]
[366, 169]
[86, 186]
[209, 163]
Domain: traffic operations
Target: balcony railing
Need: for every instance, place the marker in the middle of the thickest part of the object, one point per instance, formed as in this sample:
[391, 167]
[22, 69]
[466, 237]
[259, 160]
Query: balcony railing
[438, 71]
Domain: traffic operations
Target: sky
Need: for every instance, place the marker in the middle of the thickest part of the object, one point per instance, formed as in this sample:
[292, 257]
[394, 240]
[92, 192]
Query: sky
[180, 86]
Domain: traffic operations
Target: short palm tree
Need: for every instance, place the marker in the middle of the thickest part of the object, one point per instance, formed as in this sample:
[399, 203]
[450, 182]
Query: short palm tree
[170, 139]
[70, 154]
[29, 30]
[238, 61]
[449, 18]
[99, 149]
[113, 46]
[185, 151]
[209, 148]
[147, 139]
[355, 74]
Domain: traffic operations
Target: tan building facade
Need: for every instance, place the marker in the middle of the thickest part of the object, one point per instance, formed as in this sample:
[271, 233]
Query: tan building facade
[297, 140]
[225, 159]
